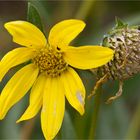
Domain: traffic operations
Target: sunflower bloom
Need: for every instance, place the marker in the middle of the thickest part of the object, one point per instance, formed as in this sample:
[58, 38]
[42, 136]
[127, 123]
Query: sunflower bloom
[49, 73]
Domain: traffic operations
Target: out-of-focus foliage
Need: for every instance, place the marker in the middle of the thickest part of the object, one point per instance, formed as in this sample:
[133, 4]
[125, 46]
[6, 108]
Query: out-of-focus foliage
[115, 120]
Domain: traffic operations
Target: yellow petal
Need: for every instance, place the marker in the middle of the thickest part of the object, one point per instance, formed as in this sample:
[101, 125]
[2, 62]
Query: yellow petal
[35, 98]
[14, 58]
[17, 87]
[74, 89]
[87, 57]
[64, 32]
[53, 108]
[26, 34]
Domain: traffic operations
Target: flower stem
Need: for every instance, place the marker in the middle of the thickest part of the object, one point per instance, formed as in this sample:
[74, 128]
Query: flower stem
[92, 132]
[133, 129]
[27, 129]
[84, 9]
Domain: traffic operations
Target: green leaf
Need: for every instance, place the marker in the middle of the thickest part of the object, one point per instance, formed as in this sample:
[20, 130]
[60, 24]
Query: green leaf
[33, 16]
[119, 23]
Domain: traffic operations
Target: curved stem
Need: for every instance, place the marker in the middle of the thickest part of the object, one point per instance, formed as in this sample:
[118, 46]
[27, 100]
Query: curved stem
[93, 127]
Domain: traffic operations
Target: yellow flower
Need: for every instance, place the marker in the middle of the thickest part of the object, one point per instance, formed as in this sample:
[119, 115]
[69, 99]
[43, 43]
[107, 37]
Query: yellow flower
[49, 74]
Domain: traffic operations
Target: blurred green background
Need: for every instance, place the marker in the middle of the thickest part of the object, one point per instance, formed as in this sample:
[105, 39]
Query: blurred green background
[119, 120]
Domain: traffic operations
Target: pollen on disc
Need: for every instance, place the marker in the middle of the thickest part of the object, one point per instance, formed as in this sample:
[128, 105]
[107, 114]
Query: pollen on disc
[50, 61]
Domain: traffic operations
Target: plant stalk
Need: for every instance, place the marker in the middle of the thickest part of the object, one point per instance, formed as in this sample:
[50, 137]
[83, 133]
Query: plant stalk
[84, 9]
[27, 129]
[92, 132]
[134, 127]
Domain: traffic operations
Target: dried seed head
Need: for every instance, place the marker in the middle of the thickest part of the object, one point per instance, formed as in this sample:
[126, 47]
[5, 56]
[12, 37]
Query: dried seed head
[125, 41]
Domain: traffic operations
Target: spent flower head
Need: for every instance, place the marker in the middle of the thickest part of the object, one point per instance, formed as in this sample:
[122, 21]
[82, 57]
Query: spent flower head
[125, 41]
[50, 74]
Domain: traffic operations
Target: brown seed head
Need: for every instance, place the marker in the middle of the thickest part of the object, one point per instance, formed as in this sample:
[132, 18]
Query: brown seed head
[125, 42]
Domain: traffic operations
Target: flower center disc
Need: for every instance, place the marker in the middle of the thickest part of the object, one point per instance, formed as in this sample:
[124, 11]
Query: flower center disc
[51, 62]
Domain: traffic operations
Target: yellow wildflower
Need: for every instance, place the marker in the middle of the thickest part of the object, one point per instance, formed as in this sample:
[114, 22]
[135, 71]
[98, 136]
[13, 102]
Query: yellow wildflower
[49, 73]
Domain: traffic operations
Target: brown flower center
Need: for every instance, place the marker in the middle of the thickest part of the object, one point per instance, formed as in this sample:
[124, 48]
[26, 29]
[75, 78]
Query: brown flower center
[50, 62]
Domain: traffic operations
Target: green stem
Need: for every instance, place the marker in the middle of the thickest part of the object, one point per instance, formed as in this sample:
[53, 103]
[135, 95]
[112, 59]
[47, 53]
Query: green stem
[133, 129]
[92, 132]
[84, 9]
[27, 129]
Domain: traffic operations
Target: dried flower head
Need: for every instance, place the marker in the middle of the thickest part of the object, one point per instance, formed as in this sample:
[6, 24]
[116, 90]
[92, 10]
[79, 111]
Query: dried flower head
[125, 41]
